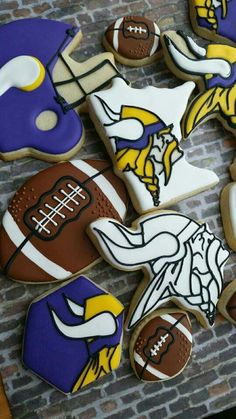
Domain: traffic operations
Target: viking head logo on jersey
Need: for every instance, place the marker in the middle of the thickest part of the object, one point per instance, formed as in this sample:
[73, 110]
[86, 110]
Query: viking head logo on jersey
[144, 145]
[216, 68]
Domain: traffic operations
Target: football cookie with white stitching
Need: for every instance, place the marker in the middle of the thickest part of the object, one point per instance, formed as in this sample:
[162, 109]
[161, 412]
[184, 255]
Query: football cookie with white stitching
[42, 236]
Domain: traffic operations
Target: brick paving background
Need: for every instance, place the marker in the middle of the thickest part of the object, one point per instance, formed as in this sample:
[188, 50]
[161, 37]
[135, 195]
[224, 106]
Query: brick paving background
[208, 384]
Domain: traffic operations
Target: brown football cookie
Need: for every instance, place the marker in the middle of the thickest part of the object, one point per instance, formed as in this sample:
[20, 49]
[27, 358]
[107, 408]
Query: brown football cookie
[4, 405]
[227, 302]
[228, 207]
[161, 345]
[134, 40]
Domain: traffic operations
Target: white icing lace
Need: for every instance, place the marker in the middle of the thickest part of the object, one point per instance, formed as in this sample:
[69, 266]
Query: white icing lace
[158, 345]
[67, 202]
[136, 29]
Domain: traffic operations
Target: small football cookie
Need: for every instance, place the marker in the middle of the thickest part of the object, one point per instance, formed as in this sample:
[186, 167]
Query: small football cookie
[228, 209]
[134, 40]
[213, 68]
[141, 131]
[182, 261]
[4, 405]
[73, 335]
[214, 19]
[227, 302]
[42, 236]
[161, 345]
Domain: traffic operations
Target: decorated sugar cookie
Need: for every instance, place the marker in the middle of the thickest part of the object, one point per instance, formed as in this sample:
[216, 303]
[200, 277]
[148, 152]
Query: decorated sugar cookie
[42, 236]
[228, 209]
[214, 19]
[161, 345]
[4, 405]
[182, 261]
[73, 335]
[134, 40]
[227, 302]
[214, 70]
[42, 87]
[141, 131]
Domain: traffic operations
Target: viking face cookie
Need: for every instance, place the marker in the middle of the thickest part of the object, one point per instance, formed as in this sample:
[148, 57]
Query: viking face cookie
[134, 40]
[73, 335]
[41, 87]
[214, 69]
[141, 131]
[4, 405]
[182, 261]
[161, 345]
[228, 209]
[214, 19]
[42, 237]
[227, 302]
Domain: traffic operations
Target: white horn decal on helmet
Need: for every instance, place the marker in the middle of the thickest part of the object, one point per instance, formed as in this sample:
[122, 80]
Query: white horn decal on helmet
[197, 66]
[24, 72]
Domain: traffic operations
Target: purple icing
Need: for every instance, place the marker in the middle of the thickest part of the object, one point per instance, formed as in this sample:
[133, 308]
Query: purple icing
[142, 142]
[40, 38]
[219, 81]
[53, 356]
[226, 26]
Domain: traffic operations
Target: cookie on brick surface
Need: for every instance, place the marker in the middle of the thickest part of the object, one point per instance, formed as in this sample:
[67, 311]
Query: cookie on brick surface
[73, 335]
[227, 302]
[134, 40]
[213, 69]
[161, 345]
[214, 19]
[42, 236]
[4, 405]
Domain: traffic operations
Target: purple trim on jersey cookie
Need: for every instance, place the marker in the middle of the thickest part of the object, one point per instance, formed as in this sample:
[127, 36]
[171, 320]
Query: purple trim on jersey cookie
[226, 26]
[40, 38]
[54, 357]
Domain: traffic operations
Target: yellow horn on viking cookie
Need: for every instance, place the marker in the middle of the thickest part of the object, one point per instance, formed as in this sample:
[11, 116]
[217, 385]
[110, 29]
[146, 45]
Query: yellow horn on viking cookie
[146, 117]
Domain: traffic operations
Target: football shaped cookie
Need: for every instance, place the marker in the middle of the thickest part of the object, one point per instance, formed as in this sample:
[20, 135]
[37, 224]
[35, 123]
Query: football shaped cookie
[161, 345]
[42, 236]
[227, 302]
[134, 40]
[73, 335]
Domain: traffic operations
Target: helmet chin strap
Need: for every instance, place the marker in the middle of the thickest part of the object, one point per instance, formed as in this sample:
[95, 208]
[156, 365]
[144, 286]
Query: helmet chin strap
[23, 72]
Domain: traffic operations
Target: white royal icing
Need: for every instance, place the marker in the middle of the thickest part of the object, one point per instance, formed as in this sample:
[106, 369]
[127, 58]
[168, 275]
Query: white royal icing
[232, 207]
[20, 72]
[30, 251]
[117, 25]
[156, 39]
[168, 105]
[181, 258]
[103, 324]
